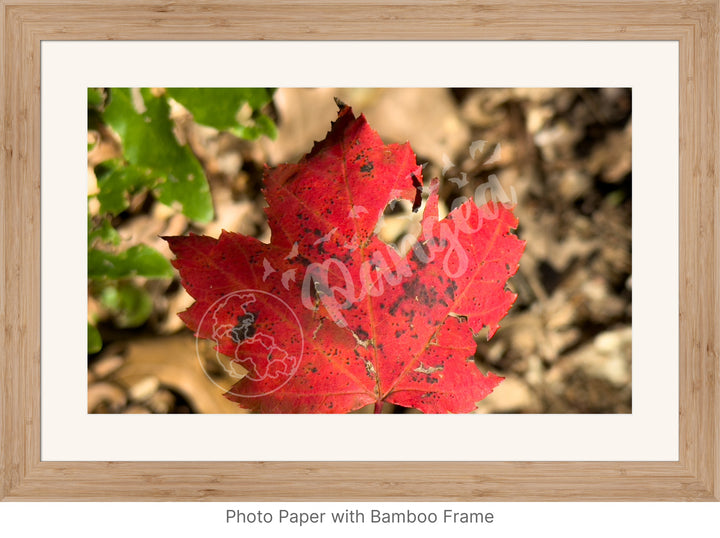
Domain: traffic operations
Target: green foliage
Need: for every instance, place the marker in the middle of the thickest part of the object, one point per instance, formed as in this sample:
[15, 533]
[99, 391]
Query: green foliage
[130, 305]
[102, 232]
[229, 109]
[117, 182]
[94, 339]
[144, 125]
[95, 97]
[140, 260]
[153, 160]
[110, 273]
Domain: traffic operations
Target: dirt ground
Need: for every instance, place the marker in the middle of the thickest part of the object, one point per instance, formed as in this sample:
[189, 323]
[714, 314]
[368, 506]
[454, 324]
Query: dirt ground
[563, 155]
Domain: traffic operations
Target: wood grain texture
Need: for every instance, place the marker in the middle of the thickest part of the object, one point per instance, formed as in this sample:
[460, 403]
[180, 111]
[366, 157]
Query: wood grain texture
[694, 24]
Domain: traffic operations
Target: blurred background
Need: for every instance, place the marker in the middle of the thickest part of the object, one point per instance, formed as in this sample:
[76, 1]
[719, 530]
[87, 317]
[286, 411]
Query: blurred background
[563, 154]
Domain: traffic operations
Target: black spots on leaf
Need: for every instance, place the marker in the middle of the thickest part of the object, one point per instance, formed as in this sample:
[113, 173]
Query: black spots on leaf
[362, 334]
[313, 370]
[411, 287]
[451, 290]
[303, 260]
[398, 333]
[415, 290]
[420, 255]
[367, 168]
[245, 327]
[426, 378]
[396, 305]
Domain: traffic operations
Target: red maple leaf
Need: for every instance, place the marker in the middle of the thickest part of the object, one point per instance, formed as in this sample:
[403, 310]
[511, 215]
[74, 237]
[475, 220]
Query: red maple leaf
[327, 318]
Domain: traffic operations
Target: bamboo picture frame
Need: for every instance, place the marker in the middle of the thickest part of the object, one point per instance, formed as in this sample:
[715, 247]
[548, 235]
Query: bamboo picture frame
[694, 25]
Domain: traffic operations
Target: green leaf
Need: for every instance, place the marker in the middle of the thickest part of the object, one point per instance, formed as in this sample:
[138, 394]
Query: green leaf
[130, 305]
[94, 339]
[261, 125]
[144, 125]
[117, 184]
[102, 232]
[95, 97]
[222, 108]
[139, 260]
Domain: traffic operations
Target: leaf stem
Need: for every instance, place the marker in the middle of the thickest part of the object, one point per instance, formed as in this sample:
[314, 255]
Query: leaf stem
[378, 407]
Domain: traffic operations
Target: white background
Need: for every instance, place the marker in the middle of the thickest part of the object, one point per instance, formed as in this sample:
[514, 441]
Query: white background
[650, 433]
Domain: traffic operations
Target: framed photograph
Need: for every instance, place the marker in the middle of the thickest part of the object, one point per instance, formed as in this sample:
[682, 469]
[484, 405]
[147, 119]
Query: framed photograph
[249, 315]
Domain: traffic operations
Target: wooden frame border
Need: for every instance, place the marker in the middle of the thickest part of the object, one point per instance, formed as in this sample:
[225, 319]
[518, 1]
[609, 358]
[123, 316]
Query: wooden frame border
[694, 24]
